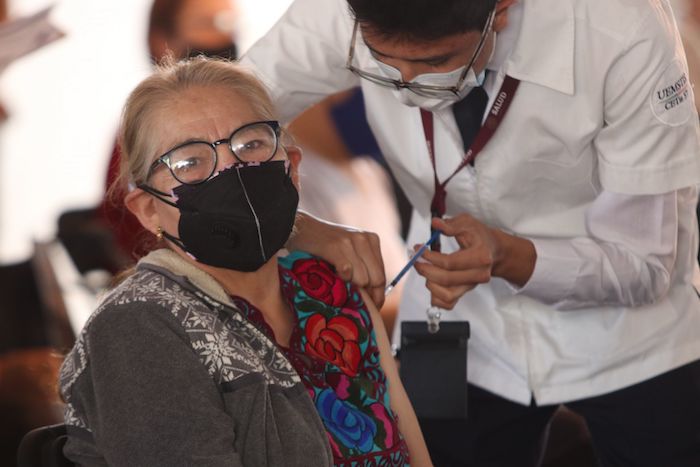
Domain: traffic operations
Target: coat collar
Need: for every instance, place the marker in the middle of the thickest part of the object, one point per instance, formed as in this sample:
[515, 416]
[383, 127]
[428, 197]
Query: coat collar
[171, 261]
[544, 50]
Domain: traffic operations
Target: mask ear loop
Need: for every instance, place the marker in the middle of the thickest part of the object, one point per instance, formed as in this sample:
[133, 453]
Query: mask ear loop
[176, 241]
[255, 215]
[160, 233]
[157, 194]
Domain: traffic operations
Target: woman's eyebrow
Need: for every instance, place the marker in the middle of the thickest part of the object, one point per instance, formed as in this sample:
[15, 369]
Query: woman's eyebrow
[187, 141]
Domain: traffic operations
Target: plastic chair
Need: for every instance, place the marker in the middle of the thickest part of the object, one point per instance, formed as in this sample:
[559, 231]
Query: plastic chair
[43, 447]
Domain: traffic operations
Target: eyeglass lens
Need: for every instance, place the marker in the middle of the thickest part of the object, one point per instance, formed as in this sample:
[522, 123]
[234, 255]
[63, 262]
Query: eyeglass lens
[195, 162]
[254, 143]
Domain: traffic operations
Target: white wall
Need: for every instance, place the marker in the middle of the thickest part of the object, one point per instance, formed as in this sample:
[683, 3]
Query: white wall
[64, 103]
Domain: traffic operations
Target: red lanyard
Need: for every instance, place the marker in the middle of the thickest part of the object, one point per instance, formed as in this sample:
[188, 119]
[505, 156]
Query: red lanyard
[488, 129]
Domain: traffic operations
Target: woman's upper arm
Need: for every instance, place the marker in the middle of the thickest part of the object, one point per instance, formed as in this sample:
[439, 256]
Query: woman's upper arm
[400, 404]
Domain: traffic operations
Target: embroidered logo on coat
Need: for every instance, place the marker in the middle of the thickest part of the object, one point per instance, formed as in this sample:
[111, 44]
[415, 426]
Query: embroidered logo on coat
[672, 98]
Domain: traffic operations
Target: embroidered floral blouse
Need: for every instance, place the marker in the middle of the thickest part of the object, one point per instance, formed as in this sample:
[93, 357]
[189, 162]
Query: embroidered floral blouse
[334, 349]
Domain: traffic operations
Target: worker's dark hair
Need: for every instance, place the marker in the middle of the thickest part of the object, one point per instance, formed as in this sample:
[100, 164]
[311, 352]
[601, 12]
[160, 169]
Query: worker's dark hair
[421, 19]
[163, 16]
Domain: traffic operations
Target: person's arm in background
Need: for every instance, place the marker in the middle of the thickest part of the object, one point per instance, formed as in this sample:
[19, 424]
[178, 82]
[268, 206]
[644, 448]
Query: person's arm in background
[400, 404]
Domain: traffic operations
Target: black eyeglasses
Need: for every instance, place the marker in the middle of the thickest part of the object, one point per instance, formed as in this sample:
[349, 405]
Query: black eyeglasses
[426, 90]
[194, 162]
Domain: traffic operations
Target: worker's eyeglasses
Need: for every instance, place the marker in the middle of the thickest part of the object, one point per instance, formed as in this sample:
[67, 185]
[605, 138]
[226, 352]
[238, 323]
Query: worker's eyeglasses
[194, 162]
[419, 88]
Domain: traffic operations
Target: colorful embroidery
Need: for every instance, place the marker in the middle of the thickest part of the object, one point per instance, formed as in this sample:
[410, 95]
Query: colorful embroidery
[334, 350]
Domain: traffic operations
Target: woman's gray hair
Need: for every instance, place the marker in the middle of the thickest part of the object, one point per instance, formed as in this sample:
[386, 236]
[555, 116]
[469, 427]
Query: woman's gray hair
[145, 104]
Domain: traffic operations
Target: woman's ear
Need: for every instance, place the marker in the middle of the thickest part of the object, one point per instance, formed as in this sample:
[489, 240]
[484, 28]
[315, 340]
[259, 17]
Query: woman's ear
[142, 205]
[294, 156]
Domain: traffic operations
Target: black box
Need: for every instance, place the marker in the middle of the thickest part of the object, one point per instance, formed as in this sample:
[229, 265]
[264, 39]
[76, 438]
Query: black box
[434, 368]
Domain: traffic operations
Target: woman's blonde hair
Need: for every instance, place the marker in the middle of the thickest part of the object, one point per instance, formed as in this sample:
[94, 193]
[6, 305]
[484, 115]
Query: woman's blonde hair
[146, 102]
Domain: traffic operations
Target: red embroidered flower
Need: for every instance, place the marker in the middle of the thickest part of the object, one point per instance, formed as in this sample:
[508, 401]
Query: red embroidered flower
[320, 282]
[335, 341]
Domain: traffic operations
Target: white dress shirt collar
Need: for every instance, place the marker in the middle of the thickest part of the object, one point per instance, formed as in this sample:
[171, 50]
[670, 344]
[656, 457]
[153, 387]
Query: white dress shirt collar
[551, 63]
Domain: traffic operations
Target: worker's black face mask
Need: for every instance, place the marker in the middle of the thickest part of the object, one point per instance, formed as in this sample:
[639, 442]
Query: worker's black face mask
[237, 219]
[228, 52]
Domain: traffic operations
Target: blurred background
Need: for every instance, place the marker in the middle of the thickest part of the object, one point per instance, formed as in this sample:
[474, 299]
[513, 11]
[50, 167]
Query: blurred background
[66, 68]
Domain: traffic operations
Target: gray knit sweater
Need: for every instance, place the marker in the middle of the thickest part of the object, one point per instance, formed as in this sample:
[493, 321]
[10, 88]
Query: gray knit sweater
[166, 373]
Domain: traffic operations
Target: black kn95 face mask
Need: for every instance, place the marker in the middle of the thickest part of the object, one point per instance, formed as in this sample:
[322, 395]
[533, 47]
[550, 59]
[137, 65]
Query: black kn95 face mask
[239, 218]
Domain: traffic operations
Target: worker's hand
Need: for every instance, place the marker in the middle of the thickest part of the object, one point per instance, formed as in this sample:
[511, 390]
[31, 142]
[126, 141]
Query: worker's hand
[355, 254]
[484, 252]
[449, 276]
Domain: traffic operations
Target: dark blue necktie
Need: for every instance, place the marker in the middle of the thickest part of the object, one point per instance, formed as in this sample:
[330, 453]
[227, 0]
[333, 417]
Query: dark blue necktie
[469, 112]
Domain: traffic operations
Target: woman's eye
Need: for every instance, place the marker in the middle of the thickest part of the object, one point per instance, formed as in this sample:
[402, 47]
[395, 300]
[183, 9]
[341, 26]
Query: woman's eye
[186, 164]
[253, 145]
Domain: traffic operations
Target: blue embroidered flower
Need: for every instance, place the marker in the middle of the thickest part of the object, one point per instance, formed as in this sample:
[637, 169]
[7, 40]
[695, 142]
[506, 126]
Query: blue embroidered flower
[350, 426]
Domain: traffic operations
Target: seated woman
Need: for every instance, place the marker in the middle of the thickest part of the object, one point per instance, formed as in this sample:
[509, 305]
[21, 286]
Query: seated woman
[214, 351]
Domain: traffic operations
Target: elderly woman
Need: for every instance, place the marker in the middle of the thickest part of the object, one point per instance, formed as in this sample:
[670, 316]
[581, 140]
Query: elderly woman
[214, 351]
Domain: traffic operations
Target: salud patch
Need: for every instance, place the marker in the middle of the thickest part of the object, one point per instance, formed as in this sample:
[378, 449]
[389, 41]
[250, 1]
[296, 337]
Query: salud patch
[672, 98]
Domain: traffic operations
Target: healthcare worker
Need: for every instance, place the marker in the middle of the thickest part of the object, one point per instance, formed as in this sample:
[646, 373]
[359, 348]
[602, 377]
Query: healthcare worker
[570, 233]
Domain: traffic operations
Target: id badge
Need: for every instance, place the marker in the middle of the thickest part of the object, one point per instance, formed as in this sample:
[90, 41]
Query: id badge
[434, 368]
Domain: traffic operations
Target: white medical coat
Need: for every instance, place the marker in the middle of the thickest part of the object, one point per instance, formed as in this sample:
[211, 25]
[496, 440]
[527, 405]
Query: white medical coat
[603, 108]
